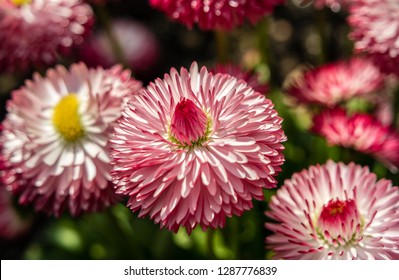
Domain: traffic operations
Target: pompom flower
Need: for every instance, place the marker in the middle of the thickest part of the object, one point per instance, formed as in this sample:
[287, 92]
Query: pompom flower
[361, 132]
[216, 14]
[250, 77]
[335, 211]
[375, 30]
[56, 137]
[195, 148]
[36, 31]
[336, 82]
[138, 44]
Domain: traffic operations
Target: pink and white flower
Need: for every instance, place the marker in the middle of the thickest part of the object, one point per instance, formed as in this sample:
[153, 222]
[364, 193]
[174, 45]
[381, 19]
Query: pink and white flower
[250, 77]
[35, 32]
[336, 82]
[216, 14]
[56, 137]
[195, 148]
[361, 132]
[335, 211]
[375, 30]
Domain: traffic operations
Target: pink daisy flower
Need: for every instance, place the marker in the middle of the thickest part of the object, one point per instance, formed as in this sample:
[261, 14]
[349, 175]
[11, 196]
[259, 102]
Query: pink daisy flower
[139, 46]
[250, 77]
[375, 30]
[335, 211]
[37, 31]
[361, 132]
[56, 137]
[336, 82]
[195, 148]
[11, 223]
[216, 14]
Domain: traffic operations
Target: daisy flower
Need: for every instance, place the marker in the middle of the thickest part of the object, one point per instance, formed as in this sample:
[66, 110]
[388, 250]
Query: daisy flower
[56, 137]
[336, 82]
[195, 148]
[216, 14]
[335, 211]
[250, 77]
[361, 132]
[35, 32]
[12, 224]
[375, 30]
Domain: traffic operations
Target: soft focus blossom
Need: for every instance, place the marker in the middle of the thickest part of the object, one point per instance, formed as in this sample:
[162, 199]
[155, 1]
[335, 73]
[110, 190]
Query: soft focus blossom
[37, 31]
[375, 30]
[196, 147]
[361, 132]
[138, 44]
[336, 82]
[334, 5]
[56, 136]
[335, 211]
[216, 14]
[250, 77]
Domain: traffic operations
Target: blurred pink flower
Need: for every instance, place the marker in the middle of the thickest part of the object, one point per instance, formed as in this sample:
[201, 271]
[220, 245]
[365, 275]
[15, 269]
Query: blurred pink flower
[216, 14]
[195, 148]
[335, 211]
[334, 5]
[361, 132]
[139, 46]
[250, 77]
[375, 30]
[56, 137]
[36, 31]
[335, 82]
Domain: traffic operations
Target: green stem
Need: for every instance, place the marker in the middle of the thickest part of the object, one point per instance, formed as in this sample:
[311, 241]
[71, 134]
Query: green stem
[222, 46]
[321, 24]
[105, 21]
[210, 234]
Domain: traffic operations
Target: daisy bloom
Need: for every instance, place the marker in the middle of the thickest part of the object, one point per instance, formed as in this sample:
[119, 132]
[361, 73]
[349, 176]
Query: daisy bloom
[336, 82]
[56, 136]
[35, 32]
[375, 30]
[361, 132]
[250, 77]
[216, 14]
[12, 224]
[196, 147]
[335, 211]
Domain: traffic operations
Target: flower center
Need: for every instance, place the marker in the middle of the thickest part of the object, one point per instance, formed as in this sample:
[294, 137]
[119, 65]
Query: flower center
[66, 118]
[20, 2]
[339, 222]
[189, 124]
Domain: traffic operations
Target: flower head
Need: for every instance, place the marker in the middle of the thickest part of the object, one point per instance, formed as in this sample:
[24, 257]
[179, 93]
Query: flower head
[361, 132]
[336, 82]
[335, 211]
[216, 14]
[195, 148]
[251, 78]
[36, 31]
[375, 30]
[56, 137]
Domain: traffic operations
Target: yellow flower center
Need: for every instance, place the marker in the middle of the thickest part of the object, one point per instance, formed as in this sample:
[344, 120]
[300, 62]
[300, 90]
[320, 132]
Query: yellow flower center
[20, 2]
[66, 118]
